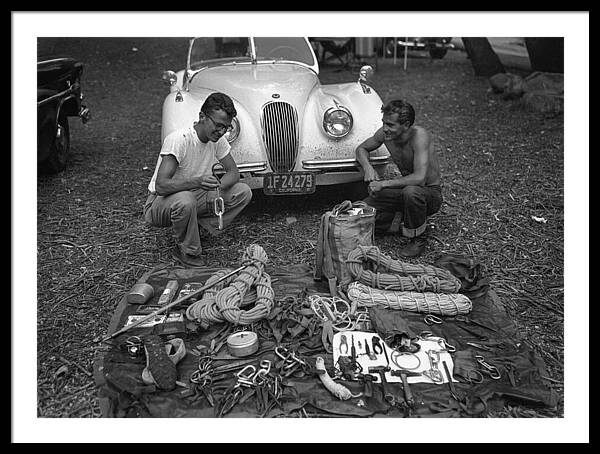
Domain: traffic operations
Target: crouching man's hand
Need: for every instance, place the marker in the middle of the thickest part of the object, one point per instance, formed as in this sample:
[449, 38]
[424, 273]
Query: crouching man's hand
[375, 187]
[370, 175]
[207, 182]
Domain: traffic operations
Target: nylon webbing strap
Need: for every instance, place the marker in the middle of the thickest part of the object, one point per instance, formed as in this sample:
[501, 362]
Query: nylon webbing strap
[331, 279]
[318, 274]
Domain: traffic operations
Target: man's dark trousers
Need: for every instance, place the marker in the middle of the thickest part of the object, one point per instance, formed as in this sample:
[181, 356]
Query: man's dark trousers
[414, 203]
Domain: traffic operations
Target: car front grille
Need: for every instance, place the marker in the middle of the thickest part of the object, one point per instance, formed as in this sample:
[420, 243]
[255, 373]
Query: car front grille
[279, 123]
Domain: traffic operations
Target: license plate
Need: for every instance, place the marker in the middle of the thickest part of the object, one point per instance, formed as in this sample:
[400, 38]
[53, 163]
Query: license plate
[289, 183]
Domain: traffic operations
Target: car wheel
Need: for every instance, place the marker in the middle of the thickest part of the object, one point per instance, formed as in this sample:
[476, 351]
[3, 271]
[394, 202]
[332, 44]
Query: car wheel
[59, 149]
[437, 53]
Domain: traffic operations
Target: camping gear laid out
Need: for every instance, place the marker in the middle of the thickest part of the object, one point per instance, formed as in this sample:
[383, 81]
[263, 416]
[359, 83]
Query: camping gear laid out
[424, 363]
[284, 346]
[381, 280]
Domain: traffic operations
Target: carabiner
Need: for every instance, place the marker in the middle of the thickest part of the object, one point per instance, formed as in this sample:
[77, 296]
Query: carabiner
[472, 377]
[432, 320]
[244, 374]
[435, 375]
[219, 206]
[489, 369]
[434, 357]
[278, 350]
[445, 345]
[265, 368]
[265, 365]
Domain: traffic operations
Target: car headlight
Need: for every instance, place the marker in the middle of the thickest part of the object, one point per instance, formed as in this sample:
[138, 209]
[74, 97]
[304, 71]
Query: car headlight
[235, 132]
[337, 121]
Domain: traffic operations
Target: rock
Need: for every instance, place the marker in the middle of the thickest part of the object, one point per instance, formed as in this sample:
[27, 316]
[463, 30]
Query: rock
[544, 102]
[540, 91]
[550, 83]
[510, 85]
[498, 82]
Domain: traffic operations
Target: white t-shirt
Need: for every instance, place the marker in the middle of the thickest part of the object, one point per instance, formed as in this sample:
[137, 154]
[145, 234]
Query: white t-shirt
[194, 157]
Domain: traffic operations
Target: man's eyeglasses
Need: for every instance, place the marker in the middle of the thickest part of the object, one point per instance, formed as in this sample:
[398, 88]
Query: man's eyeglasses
[219, 126]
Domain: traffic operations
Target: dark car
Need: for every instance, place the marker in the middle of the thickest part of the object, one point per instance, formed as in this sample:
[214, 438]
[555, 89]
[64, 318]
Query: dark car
[437, 47]
[59, 97]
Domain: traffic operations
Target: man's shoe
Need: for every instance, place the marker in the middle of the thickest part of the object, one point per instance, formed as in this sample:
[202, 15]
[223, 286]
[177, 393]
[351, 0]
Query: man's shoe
[187, 259]
[160, 369]
[414, 248]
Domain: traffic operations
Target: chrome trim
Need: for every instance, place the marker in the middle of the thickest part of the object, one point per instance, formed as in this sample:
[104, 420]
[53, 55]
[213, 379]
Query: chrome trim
[341, 163]
[71, 90]
[280, 134]
[425, 44]
[329, 111]
[252, 50]
[260, 166]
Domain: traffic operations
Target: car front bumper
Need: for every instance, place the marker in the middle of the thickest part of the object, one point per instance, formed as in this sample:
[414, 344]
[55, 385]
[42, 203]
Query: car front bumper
[328, 172]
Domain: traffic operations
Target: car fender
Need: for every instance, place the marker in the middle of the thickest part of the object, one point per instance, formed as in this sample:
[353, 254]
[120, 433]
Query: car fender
[175, 115]
[247, 148]
[47, 123]
[180, 114]
[365, 108]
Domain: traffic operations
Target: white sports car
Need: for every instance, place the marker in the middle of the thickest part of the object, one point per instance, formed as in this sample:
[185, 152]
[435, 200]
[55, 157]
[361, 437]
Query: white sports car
[291, 132]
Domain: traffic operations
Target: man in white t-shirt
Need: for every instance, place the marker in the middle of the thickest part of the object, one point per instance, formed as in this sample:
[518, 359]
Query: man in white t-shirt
[183, 187]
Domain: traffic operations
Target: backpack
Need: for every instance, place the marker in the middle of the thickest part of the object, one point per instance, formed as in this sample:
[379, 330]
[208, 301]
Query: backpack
[346, 226]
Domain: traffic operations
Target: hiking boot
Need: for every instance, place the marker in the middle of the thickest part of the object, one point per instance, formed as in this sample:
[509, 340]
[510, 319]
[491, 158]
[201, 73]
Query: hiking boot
[414, 247]
[160, 369]
[193, 261]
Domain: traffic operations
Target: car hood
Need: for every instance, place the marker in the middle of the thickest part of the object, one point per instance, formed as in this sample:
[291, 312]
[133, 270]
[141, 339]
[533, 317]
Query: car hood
[254, 85]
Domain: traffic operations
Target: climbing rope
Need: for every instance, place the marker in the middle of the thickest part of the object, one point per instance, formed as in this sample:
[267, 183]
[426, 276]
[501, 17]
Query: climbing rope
[366, 264]
[206, 308]
[447, 304]
[223, 301]
[229, 298]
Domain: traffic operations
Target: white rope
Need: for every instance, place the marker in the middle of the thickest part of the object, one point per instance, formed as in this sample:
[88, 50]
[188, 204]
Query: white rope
[367, 264]
[447, 304]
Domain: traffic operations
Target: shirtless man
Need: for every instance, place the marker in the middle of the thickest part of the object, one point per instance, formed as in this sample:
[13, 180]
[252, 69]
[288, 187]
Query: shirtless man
[416, 193]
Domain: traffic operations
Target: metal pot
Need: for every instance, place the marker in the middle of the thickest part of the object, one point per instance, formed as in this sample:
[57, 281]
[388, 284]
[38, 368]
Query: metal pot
[242, 343]
[140, 293]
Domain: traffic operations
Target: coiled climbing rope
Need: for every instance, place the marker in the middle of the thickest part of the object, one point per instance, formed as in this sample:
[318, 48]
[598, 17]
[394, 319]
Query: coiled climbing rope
[366, 264]
[224, 301]
[206, 309]
[447, 304]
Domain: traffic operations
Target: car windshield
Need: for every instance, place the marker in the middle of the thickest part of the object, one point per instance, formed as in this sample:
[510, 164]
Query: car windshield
[209, 51]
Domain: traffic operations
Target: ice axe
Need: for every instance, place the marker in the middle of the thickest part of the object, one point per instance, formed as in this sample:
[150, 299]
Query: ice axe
[175, 303]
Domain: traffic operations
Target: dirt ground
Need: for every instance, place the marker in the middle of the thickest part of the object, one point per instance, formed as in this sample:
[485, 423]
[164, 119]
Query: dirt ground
[503, 181]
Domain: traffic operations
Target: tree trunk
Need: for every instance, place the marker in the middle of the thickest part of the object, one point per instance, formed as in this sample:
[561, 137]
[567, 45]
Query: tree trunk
[546, 54]
[485, 61]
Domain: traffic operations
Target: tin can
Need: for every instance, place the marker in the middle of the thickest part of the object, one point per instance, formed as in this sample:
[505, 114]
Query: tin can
[140, 293]
[242, 343]
[168, 293]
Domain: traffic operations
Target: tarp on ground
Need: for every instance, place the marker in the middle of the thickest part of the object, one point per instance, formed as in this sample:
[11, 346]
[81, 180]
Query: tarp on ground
[123, 393]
